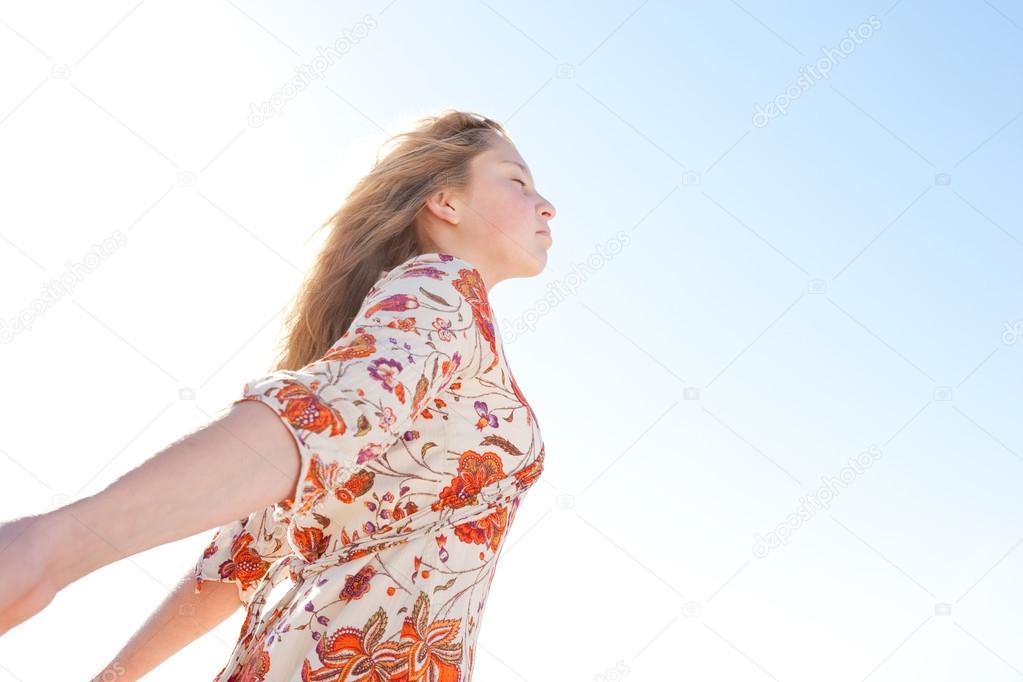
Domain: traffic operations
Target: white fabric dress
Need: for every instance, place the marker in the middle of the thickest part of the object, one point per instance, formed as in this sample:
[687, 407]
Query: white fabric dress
[416, 448]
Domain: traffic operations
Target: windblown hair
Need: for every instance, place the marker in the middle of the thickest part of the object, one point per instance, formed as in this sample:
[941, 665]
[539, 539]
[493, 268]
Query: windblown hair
[375, 227]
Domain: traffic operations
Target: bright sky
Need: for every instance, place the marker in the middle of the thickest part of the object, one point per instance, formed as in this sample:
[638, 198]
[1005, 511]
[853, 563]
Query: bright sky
[783, 298]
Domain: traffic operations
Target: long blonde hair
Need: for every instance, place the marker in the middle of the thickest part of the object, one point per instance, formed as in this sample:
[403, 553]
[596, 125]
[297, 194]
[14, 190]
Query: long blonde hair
[374, 229]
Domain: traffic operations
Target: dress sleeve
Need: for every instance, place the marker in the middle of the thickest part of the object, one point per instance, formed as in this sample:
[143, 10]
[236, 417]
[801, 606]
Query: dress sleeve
[422, 327]
[241, 551]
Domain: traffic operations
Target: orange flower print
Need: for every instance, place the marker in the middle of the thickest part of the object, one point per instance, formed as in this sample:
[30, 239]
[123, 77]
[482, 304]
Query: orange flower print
[471, 286]
[400, 511]
[323, 477]
[362, 346]
[527, 476]
[311, 542]
[486, 531]
[244, 636]
[417, 447]
[358, 484]
[253, 668]
[350, 653]
[431, 650]
[304, 410]
[357, 585]
[474, 472]
[395, 303]
[210, 550]
[405, 324]
[486, 417]
[246, 565]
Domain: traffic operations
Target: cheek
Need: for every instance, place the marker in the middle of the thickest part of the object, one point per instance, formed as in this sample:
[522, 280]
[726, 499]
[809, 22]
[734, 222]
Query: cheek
[518, 209]
[510, 210]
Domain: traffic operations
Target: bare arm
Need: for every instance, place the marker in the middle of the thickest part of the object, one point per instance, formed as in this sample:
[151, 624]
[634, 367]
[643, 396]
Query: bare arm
[182, 617]
[245, 460]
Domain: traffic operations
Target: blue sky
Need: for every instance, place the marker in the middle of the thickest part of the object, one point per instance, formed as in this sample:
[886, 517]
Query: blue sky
[804, 326]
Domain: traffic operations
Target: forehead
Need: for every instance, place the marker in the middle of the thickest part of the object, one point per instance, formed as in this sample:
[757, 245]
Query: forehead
[504, 158]
[502, 150]
[513, 162]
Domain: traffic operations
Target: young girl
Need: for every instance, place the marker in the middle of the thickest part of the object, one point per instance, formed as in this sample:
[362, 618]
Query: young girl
[377, 467]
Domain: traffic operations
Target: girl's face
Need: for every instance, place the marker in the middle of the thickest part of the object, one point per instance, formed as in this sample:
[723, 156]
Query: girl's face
[500, 223]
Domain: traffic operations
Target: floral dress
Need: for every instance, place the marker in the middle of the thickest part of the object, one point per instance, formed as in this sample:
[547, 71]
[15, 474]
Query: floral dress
[417, 447]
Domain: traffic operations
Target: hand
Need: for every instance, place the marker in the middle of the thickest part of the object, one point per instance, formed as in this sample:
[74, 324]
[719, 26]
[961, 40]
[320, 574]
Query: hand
[26, 586]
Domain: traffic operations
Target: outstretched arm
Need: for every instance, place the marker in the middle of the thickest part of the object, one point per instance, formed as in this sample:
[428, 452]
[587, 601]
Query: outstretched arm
[183, 617]
[423, 327]
[244, 460]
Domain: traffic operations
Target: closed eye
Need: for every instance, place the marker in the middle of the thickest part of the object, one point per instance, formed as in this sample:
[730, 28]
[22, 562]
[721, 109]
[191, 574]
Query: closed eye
[519, 181]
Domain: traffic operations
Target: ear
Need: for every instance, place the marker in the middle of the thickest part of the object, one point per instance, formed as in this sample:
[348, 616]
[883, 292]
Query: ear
[443, 205]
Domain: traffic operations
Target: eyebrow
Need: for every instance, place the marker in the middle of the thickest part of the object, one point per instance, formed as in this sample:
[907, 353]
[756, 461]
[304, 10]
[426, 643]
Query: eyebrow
[516, 163]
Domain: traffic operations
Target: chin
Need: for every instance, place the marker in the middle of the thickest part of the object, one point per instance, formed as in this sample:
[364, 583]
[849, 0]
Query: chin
[537, 263]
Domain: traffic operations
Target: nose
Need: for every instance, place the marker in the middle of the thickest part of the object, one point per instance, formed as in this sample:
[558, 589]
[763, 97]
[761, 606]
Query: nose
[547, 210]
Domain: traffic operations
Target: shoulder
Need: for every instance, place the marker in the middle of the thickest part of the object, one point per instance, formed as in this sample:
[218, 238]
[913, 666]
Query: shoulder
[442, 277]
[435, 266]
[434, 292]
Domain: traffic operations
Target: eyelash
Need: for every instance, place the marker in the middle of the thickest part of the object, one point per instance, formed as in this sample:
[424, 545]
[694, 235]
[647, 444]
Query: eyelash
[519, 181]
